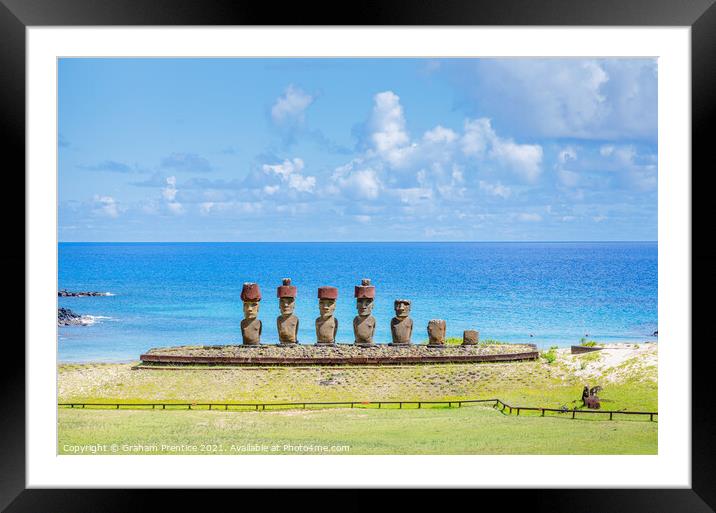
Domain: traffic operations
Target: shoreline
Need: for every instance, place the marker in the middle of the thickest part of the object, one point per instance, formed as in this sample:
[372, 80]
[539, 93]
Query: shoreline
[136, 359]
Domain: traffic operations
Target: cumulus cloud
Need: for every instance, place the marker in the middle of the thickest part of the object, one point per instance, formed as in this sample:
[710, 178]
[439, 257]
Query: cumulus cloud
[529, 217]
[387, 124]
[637, 170]
[443, 161]
[356, 182]
[495, 189]
[570, 98]
[289, 172]
[106, 206]
[290, 107]
[169, 193]
[188, 162]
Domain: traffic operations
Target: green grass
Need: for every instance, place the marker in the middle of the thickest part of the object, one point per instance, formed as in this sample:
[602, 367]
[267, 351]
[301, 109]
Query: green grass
[467, 430]
[630, 385]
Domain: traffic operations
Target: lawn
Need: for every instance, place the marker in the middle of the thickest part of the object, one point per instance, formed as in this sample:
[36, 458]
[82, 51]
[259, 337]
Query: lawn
[466, 430]
[628, 377]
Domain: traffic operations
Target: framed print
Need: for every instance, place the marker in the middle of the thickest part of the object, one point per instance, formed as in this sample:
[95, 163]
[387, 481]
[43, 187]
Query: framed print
[422, 247]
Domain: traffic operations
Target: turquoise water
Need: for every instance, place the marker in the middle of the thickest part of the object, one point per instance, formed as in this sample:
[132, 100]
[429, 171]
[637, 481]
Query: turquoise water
[188, 293]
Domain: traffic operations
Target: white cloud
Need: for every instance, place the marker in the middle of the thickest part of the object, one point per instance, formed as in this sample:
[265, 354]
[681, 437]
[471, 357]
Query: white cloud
[568, 153]
[441, 164]
[481, 141]
[169, 193]
[175, 207]
[523, 159]
[106, 205]
[285, 169]
[478, 135]
[440, 134]
[363, 184]
[289, 172]
[576, 98]
[606, 150]
[496, 189]
[291, 106]
[638, 171]
[388, 134]
[302, 183]
[529, 217]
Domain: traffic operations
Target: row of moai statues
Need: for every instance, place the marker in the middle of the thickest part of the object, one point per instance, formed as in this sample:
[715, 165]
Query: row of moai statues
[401, 326]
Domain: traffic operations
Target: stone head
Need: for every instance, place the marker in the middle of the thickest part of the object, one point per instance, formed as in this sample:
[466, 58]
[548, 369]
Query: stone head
[286, 294]
[251, 309]
[251, 295]
[327, 301]
[364, 306]
[364, 294]
[402, 308]
[287, 305]
[326, 307]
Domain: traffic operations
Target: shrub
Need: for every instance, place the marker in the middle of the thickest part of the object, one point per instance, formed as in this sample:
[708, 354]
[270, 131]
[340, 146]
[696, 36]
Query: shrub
[551, 355]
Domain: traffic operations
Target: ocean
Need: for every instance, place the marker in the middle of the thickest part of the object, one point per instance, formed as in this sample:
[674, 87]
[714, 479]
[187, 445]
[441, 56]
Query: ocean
[166, 294]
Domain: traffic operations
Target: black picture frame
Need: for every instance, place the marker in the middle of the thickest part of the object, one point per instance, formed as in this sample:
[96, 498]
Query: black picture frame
[17, 15]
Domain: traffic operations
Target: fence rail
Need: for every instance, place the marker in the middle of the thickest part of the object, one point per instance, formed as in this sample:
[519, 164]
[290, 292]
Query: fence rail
[498, 403]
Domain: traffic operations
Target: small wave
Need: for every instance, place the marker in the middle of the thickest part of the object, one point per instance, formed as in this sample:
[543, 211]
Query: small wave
[88, 320]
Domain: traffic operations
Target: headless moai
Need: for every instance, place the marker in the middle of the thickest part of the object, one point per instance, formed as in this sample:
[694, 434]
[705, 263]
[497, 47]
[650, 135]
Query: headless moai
[436, 333]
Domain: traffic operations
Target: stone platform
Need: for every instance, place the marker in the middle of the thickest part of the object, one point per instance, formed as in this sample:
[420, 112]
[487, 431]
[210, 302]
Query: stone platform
[341, 354]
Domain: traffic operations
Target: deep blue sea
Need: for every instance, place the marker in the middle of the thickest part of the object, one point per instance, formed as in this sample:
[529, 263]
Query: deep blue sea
[188, 293]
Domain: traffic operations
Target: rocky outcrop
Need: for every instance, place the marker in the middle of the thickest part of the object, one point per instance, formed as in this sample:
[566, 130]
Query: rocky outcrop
[66, 317]
[67, 293]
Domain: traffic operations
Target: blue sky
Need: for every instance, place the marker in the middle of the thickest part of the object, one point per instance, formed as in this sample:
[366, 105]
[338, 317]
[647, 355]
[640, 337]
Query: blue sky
[357, 149]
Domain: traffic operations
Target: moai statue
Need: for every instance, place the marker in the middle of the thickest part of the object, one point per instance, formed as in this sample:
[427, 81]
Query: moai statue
[326, 324]
[251, 325]
[470, 337]
[401, 326]
[364, 322]
[287, 322]
[436, 333]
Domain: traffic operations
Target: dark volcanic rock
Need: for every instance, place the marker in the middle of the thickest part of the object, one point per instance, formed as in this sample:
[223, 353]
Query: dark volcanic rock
[66, 317]
[67, 293]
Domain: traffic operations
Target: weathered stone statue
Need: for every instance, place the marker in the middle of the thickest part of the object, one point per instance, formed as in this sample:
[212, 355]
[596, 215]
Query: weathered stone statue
[436, 333]
[364, 322]
[251, 325]
[326, 324]
[470, 337]
[287, 322]
[401, 326]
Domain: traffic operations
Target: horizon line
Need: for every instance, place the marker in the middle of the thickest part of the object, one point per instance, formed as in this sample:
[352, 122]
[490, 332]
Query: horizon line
[349, 241]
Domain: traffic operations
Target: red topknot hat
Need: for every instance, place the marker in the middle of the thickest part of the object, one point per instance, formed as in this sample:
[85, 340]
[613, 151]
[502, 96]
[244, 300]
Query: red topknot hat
[327, 293]
[286, 290]
[365, 290]
[251, 292]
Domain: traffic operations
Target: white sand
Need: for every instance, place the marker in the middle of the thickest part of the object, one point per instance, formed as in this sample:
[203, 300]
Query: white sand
[614, 363]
